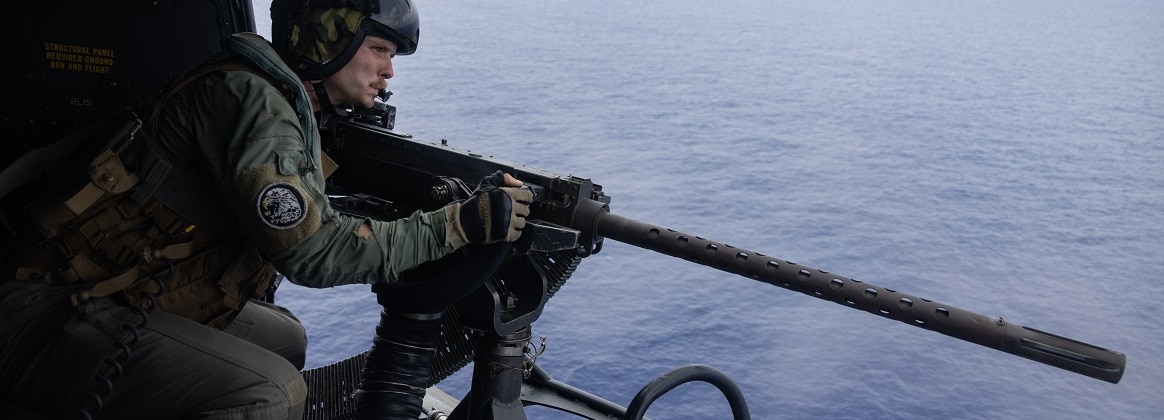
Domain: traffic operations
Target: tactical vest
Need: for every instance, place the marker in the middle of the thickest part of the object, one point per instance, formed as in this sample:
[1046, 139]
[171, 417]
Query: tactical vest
[100, 229]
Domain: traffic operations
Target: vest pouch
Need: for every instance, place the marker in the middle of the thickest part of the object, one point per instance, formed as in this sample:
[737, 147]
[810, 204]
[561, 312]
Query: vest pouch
[69, 189]
[210, 287]
[107, 176]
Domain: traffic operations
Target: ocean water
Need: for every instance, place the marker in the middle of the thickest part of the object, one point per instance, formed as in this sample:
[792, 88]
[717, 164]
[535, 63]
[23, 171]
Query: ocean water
[1001, 157]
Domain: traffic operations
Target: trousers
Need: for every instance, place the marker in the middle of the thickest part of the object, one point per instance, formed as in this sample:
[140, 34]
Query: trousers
[109, 361]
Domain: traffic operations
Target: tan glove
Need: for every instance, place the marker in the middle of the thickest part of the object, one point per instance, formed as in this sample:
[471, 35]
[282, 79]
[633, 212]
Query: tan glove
[495, 213]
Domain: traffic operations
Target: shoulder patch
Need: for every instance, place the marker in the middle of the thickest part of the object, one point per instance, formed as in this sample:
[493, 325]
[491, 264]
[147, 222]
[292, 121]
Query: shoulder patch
[281, 205]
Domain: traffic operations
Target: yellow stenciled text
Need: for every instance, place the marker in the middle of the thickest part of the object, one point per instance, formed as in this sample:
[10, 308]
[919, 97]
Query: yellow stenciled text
[80, 58]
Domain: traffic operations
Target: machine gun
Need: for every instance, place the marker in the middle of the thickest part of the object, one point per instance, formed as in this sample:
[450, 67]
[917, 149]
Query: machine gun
[569, 220]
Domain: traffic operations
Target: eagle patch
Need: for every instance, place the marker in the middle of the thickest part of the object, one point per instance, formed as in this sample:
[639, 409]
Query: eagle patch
[281, 206]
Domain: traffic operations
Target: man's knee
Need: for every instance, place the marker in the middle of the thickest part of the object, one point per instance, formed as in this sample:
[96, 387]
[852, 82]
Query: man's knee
[274, 328]
[287, 390]
[296, 390]
[280, 393]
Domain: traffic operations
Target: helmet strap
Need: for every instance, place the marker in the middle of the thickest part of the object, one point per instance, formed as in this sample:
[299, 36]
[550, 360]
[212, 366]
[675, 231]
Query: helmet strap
[338, 62]
[329, 115]
[322, 98]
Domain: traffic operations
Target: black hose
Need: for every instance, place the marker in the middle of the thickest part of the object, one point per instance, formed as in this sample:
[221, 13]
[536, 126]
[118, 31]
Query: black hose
[396, 372]
[682, 375]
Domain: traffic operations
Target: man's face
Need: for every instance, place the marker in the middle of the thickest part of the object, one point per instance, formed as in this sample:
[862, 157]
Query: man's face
[362, 78]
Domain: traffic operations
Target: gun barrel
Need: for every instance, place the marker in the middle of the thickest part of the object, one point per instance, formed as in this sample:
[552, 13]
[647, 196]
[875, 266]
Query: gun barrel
[992, 332]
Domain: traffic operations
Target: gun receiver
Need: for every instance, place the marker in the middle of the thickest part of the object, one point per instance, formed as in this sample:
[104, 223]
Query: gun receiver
[574, 214]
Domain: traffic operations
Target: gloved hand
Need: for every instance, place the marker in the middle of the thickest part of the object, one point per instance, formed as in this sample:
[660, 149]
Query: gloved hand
[495, 213]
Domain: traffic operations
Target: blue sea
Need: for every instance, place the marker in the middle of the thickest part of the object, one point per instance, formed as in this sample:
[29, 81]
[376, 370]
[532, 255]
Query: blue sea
[1003, 157]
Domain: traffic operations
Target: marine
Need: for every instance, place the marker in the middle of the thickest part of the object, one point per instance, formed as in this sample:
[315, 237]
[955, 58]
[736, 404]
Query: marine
[139, 283]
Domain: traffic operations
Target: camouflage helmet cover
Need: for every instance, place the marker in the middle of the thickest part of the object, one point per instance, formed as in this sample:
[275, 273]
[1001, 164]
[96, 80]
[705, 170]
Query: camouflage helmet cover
[316, 41]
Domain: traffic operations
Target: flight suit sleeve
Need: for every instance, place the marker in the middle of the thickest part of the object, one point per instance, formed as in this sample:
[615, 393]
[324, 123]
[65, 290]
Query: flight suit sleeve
[274, 184]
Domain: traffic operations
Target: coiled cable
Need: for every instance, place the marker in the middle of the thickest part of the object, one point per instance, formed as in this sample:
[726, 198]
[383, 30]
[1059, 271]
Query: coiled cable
[123, 351]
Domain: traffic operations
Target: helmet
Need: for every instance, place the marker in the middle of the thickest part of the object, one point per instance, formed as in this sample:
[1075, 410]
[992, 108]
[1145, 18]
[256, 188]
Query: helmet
[318, 37]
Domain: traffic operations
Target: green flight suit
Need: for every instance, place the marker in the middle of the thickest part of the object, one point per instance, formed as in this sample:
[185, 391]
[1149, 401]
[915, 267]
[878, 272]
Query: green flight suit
[259, 149]
[252, 152]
